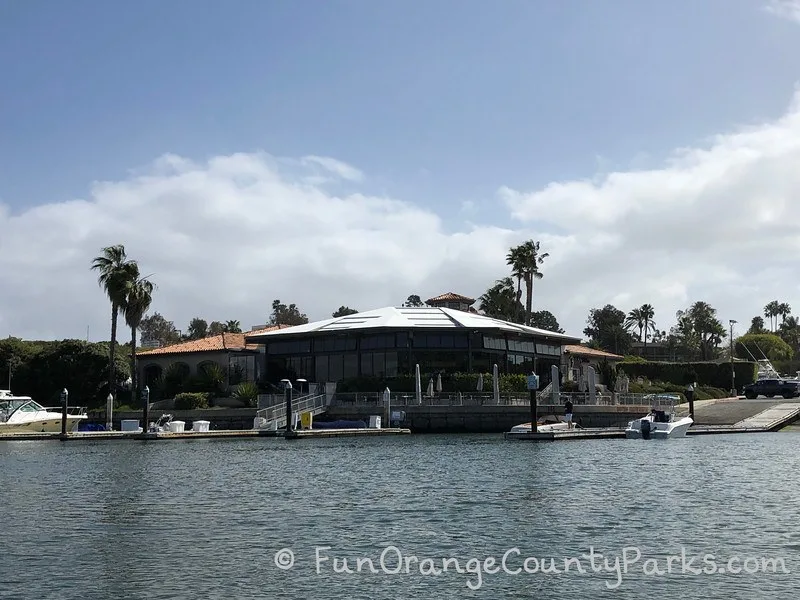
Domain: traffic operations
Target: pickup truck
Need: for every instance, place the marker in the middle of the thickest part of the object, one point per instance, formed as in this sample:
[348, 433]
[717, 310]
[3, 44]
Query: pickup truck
[788, 388]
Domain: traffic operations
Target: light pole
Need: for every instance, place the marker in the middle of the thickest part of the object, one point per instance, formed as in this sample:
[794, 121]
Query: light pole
[731, 322]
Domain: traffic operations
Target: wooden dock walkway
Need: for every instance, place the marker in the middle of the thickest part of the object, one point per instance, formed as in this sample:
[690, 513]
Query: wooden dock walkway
[199, 435]
[774, 418]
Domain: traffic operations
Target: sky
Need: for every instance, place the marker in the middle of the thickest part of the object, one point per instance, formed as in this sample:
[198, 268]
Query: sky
[354, 152]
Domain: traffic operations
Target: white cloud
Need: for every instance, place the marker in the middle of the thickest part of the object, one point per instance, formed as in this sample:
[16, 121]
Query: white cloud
[787, 9]
[226, 237]
[338, 168]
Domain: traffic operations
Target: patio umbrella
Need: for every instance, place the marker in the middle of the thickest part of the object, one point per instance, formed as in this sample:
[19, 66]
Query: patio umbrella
[479, 387]
[496, 384]
[439, 383]
[554, 378]
[430, 388]
[418, 386]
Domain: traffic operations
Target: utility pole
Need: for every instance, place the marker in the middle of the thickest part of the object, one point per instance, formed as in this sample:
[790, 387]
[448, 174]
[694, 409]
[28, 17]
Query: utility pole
[731, 322]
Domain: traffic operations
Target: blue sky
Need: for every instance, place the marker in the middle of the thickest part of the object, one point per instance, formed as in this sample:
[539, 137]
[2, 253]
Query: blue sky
[438, 102]
[476, 125]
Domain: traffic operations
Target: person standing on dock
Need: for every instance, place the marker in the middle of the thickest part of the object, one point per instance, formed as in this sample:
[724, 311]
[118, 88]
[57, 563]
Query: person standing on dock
[568, 412]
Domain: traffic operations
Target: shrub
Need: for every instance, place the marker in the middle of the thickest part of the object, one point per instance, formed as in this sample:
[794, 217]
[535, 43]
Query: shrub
[191, 400]
[246, 392]
[705, 374]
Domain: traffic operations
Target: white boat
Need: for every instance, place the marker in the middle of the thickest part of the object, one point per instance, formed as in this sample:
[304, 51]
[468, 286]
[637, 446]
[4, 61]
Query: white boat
[20, 414]
[660, 423]
[542, 426]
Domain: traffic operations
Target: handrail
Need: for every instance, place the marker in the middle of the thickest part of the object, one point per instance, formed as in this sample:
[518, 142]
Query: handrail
[302, 404]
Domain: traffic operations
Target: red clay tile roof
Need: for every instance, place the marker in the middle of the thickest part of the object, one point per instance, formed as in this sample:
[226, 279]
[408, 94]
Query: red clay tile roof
[451, 297]
[586, 351]
[214, 343]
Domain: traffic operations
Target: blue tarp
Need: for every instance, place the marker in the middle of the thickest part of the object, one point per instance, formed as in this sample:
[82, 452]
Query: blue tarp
[90, 427]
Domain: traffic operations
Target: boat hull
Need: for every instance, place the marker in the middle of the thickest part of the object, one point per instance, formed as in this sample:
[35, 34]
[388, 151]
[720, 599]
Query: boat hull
[541, 428]
[50, 425]
[660, 431]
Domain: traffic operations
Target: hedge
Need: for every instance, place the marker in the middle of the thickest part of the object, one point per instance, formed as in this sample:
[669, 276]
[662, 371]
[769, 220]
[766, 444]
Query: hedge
[451, 382]
[717, 375]
[191, 400]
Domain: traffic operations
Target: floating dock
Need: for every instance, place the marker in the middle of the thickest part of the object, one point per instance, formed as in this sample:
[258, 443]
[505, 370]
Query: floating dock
[773, 418]
[197, 435]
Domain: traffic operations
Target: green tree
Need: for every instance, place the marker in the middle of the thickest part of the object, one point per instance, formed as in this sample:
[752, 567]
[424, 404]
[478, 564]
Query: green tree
[233, 326]
[197, 330]
[156, 328]
[137, 302]
[771, 311]
[116, 272]
[216, 328]
[641, 319]
[753, 344]
[286, 315]
[500, 301]
[343, 311]
[528, 257]
[516, 260]
[544, 319]
[700, 330]
[789, 331]
[413, 300]
[606, 330]
[757, 326]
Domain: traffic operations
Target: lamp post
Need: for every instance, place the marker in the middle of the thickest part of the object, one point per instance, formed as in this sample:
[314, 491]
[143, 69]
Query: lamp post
[145, 407]
[301, 382]
[731, 322]
[287, 392]
[64, 401]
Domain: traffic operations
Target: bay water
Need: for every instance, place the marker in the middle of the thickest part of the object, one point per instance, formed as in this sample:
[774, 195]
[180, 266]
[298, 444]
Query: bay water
[418, 516]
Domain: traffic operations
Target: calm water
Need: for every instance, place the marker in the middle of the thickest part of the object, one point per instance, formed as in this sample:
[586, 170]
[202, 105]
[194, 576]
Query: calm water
[204, 519]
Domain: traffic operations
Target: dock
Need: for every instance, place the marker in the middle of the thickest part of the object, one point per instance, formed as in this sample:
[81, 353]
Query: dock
[200, 435]
[774, 418]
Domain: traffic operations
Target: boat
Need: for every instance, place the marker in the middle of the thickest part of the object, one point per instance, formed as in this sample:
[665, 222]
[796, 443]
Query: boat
[661, 422]
[21, 414]
[544, 425]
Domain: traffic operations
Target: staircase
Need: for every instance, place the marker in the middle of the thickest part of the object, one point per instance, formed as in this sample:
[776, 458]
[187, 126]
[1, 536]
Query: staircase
[274, 417]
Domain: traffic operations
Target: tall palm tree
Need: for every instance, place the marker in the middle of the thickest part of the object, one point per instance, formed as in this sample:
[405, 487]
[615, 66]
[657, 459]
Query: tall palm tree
[233, 326]
[784, 310]
[138, 297]
[532, 257]
[116, 272]
[516, 260]
[635, 320]
[771, 311]
[648, 314]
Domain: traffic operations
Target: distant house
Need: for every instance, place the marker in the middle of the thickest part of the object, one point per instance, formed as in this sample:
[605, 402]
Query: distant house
[454, 301]
[576, 360]
[228, 350]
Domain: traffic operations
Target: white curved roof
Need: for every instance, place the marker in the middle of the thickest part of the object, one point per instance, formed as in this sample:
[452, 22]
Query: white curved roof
[422, 317]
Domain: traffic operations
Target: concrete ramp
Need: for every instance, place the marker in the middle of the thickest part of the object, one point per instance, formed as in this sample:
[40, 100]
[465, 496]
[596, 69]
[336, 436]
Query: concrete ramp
[773, 418]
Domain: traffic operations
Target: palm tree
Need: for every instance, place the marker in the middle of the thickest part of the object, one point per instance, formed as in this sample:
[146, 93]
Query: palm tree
[635, 320]
[784, 310]
[116, 272]
[233, 326]
[500, 300]
[516, 260]
[648, 314]
[139, 296]
[771, 311]
[531, 259]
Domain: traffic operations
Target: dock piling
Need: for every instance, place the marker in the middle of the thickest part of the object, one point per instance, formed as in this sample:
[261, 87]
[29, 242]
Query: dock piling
[64, 400]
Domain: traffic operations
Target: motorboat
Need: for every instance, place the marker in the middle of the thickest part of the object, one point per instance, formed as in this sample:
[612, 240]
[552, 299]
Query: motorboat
[544, 425]
[21, 414]
[660, 423]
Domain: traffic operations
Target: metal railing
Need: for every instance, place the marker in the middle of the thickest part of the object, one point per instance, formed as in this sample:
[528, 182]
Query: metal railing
[277, 413]
[512, 399]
